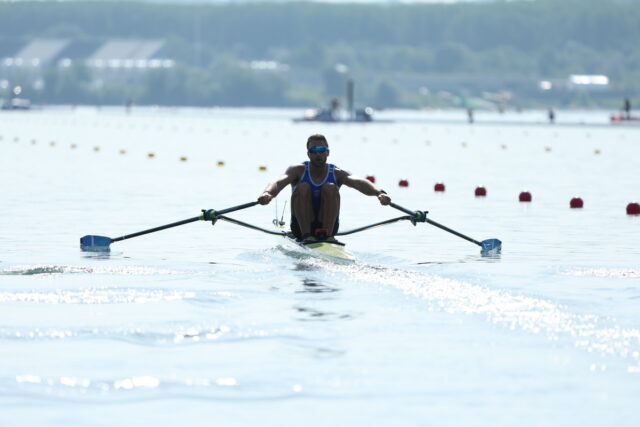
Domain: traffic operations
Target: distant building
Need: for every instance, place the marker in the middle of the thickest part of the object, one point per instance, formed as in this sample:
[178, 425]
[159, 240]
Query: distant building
[588, 81]
[37, 53]
[129, 54]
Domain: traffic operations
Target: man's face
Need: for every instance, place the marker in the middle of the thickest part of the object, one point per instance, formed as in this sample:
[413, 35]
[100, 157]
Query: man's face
[317, 156]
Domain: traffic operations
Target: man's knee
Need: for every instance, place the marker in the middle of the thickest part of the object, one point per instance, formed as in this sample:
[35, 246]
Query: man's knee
[330, 190]
[303, 190]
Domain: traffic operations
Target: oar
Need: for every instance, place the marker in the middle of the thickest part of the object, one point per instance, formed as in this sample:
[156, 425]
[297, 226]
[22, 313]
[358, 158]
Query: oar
[488, 245]
[101, 243]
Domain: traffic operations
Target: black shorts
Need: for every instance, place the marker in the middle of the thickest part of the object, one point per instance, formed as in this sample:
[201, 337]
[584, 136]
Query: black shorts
[295, 228]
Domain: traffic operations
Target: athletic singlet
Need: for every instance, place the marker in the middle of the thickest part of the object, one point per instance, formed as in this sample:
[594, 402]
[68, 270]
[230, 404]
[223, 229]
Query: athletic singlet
[316, 189]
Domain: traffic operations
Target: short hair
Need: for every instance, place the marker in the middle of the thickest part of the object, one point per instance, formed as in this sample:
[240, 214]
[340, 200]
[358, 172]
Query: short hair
[316, 138]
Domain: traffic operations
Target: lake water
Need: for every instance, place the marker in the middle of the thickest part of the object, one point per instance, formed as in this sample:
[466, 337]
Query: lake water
[202, 325]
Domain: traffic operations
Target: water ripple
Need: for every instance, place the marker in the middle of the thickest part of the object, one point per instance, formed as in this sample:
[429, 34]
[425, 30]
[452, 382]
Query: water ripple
[98, 296]
[48, 269]
[615, 273]
[167, 337]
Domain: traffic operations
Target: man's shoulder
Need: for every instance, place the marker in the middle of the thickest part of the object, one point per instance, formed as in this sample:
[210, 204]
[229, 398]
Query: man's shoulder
[341, 172]
[296, 169]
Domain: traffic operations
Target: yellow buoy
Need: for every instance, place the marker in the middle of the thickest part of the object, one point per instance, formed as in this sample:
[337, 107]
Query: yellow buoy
[122, 151]
[96, 148]
[220, 162]
[547, 149]
[597, 151]
[503, 146]
[151, 155]
[262, 168]
[183, 158]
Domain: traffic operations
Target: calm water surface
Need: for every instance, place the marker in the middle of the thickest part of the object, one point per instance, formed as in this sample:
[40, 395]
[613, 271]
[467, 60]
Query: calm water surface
[205, 325]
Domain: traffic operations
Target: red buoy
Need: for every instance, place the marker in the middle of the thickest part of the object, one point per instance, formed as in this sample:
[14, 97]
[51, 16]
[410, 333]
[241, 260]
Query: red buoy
[403, 183]
[438, 187]
[576, 203]
[525, 196]
[480, 191]
[371, 178]
[633, 208]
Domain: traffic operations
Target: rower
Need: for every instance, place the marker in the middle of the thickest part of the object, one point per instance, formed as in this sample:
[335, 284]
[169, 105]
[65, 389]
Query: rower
[315, 196]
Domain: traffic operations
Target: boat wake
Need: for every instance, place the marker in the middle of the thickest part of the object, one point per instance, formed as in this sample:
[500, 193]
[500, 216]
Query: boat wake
[515, 312]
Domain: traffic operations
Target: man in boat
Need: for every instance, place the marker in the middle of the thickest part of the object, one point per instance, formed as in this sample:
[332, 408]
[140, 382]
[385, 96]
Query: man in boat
[315, 198]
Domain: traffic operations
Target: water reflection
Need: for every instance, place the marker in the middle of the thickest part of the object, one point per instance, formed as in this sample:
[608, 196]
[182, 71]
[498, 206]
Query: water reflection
[313, 287]
[307, 314]
[490, 258]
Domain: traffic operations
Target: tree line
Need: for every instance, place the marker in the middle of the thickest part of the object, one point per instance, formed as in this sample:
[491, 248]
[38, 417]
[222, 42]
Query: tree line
[399, 55]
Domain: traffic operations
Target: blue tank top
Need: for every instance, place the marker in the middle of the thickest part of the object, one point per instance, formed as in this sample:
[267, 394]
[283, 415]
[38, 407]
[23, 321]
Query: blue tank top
[316, 189]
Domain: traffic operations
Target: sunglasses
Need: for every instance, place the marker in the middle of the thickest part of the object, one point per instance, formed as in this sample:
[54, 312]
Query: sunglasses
[318, 149]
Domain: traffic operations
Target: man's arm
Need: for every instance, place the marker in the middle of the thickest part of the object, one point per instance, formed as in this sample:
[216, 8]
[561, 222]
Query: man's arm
[292, 174]
[362, 185]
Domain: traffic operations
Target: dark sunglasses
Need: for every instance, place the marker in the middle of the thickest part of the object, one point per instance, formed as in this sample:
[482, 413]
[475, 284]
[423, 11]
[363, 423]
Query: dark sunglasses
[318, 149]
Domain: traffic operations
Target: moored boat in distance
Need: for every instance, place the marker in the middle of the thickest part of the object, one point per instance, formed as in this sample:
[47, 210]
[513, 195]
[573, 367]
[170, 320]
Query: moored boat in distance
[329, 115]
[335, 114]
[622, 119]
[15, 104]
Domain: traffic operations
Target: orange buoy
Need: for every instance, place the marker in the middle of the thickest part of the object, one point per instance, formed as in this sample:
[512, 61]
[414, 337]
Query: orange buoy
[480, 191]
[576, 203]
[524, 196]
[633, 208]
[439, 187]
[371, 178]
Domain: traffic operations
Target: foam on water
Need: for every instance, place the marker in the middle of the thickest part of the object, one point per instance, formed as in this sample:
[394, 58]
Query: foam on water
[30, 270]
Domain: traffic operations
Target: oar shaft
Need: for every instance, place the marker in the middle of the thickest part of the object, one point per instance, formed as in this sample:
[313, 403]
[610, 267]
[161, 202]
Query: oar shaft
[184, 221]
[445, 228]
[425, 219]
[400, 208]
[251, 226]
[153, 230]
[377, 224]
[236, 208]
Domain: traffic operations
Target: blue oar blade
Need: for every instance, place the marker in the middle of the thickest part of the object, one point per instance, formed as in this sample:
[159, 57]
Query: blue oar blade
[95, 243]
[491, 246]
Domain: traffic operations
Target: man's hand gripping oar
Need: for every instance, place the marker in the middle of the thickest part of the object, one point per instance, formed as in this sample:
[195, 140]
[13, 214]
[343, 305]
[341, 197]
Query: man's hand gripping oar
[488, 246]
[101, 243]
